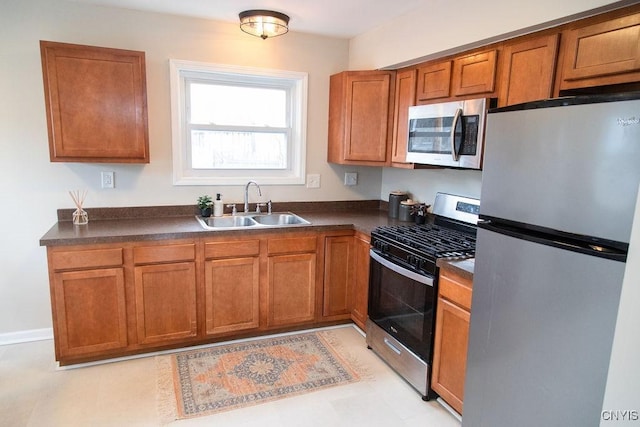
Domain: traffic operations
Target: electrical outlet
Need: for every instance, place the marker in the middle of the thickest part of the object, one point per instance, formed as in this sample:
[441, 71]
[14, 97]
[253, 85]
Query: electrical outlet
[108, 179]
[313, 180]
[350, 178]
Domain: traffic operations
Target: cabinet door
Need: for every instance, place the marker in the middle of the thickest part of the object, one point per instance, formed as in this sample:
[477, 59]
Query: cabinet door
[338, 276]
[291, 289]
[529, 68]
[96, 103]
[232, 294]
[165, 296]
[405, 97]
[450, 353]
[89, 311]
[434, 81]
[360, 118]
[474, 74]
[367, 117]
[361, 281]
[601, 54]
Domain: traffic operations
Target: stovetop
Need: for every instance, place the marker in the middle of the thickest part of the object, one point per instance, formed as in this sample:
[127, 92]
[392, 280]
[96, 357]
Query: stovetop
[418, 247]
[452, 234]
[429, 239]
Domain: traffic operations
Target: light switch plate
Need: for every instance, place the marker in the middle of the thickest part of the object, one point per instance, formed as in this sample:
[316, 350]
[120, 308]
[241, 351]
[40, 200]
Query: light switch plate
[108, 179]
[350, 178]
[313, 180]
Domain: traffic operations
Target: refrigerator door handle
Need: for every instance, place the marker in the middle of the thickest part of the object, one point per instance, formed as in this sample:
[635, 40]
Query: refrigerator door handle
[455, 150]
[555, 240]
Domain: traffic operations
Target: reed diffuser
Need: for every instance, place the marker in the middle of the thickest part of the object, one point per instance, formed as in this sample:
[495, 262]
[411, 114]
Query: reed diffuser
[80, 216]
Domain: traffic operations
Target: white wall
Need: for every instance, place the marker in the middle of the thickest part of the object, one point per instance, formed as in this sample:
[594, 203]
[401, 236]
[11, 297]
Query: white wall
[423, 184]
[33, 188]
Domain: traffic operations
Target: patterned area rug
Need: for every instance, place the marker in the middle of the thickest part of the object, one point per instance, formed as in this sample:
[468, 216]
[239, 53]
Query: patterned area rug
[219, 378]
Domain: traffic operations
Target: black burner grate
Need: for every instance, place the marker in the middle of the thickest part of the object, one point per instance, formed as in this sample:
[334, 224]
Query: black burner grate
[429, 240]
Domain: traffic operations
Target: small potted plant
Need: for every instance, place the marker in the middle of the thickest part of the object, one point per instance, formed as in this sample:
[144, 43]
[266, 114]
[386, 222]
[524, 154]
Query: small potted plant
[205, 205]
[419, 212]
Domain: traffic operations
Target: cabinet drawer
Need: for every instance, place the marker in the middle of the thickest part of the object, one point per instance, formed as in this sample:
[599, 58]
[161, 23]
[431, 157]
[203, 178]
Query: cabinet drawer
[455, 291]
[168, 253]
[68, 260]
[292, 245]
[232, 249]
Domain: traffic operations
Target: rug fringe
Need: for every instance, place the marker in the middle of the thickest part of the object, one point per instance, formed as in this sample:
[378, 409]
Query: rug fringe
[361, 369]
[166, 397]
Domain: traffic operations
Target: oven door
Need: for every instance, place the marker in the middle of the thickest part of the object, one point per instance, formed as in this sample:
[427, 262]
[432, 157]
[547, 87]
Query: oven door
[402, 303]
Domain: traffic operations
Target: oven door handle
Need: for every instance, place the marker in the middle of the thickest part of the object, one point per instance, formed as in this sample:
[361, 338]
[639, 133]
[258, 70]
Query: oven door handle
[427, 280]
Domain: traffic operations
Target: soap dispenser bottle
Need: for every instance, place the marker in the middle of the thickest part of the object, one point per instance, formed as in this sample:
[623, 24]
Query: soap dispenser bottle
[218, 207]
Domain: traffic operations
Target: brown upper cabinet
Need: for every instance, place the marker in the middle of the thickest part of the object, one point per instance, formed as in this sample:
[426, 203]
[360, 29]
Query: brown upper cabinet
[96, 103]
[604, 53]
[528, 70]
[434, 81]
[361, 117]
[474, 74]
[405, 97]
[592, 55]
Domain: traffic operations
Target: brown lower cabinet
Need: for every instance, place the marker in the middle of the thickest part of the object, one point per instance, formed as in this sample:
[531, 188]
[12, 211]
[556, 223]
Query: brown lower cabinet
[88, 300]
[291, 277]
[338, 276]
[360, 284]
[111, 300]
[165, 292]
[89, 311]
[451, 338]
[232, 286]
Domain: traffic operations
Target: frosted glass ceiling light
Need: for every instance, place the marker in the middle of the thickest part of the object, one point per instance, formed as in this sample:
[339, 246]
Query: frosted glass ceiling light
[264, 23]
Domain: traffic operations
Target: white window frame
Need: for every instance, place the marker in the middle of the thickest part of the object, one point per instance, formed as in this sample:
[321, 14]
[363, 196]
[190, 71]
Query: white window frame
[296, 82]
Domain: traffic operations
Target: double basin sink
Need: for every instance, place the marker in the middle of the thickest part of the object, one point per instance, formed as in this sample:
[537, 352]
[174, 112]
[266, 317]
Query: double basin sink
[243, 221]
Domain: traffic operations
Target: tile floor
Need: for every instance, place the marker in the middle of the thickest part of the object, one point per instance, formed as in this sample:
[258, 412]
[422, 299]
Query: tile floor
[35, 392]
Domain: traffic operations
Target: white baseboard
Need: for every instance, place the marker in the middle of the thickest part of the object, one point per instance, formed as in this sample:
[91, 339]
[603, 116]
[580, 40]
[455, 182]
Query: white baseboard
[26, 336]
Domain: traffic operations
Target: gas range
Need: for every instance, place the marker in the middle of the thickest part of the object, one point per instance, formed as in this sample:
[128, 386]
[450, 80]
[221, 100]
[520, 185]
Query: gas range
[403, 285]
[418, 247]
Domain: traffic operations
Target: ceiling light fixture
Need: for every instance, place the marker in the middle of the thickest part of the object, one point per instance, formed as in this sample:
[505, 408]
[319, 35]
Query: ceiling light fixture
[264, 23]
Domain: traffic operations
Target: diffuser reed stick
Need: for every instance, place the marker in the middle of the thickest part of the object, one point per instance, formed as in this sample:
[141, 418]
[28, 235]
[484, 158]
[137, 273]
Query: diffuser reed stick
[80, 216]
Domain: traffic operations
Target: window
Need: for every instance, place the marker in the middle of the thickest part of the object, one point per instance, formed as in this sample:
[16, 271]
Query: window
[232, 124]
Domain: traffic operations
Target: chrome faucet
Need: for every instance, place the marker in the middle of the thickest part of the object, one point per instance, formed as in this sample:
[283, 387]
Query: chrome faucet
[246, 194]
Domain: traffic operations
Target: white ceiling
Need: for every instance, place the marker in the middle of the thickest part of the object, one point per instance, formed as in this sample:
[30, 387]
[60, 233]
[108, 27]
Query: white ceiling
[336, 18]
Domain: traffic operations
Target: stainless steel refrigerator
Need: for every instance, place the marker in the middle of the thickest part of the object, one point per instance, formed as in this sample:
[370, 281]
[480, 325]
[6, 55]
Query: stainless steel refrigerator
[559, 187]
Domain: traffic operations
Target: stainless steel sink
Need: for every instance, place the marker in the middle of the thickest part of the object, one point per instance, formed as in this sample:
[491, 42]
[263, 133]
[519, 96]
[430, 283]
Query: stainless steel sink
[280, 219]
[243, 221]
[227, 221]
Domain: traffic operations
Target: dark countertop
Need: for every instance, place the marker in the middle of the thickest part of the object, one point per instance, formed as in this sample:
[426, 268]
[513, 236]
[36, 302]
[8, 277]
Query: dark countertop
[143, 226]
[464, 267]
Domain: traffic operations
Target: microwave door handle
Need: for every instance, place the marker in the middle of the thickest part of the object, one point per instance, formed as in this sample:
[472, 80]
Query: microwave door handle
[454, 150]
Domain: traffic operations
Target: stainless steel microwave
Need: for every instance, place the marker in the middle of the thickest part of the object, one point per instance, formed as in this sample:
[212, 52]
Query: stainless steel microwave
[449, 134]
